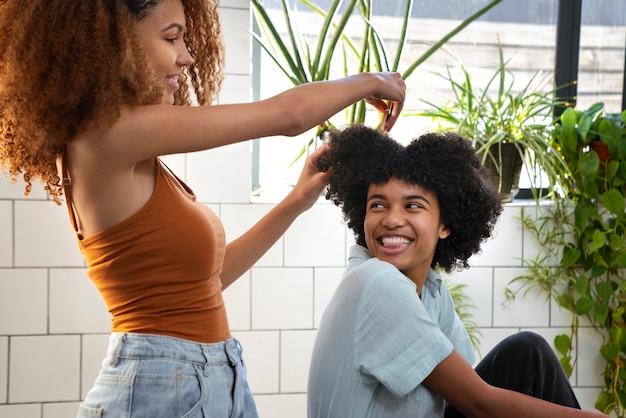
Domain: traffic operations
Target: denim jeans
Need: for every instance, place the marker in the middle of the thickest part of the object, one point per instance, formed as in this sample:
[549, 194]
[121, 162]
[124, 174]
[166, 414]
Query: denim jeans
[525, 363]
[158, 376]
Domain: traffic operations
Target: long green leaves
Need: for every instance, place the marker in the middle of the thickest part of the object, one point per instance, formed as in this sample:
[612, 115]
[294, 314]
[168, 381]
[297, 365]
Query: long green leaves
[296, 61]
[502, 112]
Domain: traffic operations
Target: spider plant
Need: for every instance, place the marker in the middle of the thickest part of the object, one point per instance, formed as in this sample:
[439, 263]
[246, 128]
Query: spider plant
[509, 126]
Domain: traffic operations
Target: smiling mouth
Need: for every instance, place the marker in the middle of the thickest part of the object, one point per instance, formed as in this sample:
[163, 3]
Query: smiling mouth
[173, 80]
[394, 242]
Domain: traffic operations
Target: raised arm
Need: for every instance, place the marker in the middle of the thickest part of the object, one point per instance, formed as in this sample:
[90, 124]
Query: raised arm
[459, 384]
[244, 251]
[156, 130]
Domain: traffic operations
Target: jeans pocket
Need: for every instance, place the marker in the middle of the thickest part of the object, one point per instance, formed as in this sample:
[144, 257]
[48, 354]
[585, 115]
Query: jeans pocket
[165, 388]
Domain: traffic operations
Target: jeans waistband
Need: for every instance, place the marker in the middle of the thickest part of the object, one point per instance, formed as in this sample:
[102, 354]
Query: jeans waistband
[133, 345]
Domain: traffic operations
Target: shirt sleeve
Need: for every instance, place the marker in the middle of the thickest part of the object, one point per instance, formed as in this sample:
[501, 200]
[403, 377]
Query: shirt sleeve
[396, 342]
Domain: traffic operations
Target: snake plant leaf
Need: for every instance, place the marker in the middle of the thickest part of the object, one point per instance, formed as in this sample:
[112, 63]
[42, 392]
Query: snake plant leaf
[276, 49]
[447, 37]
[294, 37]
[322, 64]
[379, 51]
[403, 34]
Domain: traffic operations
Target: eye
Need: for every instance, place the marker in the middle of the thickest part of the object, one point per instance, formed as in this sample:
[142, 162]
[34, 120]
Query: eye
[376, 205]
[172, 40]
[414, 205]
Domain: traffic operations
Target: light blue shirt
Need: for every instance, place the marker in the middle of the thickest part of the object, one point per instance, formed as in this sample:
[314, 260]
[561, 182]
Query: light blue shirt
[378, 341]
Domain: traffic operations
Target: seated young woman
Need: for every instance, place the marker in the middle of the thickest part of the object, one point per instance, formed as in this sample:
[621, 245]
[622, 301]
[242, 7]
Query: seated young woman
[390, 343]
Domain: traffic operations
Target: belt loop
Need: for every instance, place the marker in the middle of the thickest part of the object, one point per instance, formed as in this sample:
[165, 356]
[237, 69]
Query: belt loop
[118, 347]
[206, 360]
[232, 348]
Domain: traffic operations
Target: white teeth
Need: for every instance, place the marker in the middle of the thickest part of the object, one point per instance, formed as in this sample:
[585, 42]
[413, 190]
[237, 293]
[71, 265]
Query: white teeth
[395, 241]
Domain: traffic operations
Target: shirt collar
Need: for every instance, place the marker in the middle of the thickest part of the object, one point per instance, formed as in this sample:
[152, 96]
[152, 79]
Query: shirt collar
[433, 280]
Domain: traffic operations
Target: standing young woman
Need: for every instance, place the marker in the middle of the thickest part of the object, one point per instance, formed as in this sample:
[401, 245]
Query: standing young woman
[91, 94]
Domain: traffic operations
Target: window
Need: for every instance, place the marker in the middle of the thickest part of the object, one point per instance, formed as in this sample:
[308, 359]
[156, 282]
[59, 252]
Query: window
[527, 32]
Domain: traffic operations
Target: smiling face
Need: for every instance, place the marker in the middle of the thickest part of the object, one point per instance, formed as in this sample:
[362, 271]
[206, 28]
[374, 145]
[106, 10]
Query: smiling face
[161, 35]
[402, 226]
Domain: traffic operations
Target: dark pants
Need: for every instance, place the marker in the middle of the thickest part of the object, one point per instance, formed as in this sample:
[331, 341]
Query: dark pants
[525, 362]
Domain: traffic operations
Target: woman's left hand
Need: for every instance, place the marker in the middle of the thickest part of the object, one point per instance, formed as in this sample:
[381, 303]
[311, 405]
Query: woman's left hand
[312, 180]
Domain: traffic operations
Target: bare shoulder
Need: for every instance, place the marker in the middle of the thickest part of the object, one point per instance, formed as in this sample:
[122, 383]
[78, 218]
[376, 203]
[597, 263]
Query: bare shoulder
[106, 189]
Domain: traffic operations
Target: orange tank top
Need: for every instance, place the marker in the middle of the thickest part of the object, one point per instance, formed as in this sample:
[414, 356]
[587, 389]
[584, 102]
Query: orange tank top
[159, 270]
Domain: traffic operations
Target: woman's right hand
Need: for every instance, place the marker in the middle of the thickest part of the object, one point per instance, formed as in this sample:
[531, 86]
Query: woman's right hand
[390, 99]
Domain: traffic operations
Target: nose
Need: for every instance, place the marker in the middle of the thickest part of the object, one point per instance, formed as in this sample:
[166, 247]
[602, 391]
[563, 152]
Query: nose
[394, 218]
[184, 57]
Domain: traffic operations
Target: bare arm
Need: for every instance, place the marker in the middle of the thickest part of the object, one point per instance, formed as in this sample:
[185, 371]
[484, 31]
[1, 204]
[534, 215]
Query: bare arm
[144, 132]
[459, 384]
[243, 252]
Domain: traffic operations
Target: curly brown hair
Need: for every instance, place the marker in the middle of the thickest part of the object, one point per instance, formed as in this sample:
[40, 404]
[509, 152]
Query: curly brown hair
[68, 63]
[443, 163]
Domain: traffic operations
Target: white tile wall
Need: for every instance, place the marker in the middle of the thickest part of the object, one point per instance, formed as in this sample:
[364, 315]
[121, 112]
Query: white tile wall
[93, 351]
[23, 297]
[54, 327]
[6, 234]
[42, 237]
[4, 369]
[282, 298]
[75, 304]
[44, 368]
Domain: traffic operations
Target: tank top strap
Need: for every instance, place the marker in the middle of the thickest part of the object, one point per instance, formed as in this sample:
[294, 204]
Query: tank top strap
[175, 177]
[66, 183]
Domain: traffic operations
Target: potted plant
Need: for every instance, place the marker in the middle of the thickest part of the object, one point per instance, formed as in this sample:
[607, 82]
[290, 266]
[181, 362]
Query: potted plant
[582, 239]
[303, 62]
[508, 126]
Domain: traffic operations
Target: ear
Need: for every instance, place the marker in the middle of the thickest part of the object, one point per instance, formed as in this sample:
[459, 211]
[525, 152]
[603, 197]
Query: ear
[444, 232]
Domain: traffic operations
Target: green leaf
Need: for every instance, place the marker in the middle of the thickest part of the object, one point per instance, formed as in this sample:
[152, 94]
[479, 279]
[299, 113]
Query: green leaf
[584, 305]
[616, 242]
[563, 344]
[589, 163]
[599, 240]
[621, 149]
[610, 351]
[565, 300]
[570, 256]
[609, 134]
[584, 124]
[447, 37]
[581, 284]
[614, 201]
[620, 261]
[568, 118]
[600, 313]
[566, 363]
[611, 169]
[604, 401]
[604, 291]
